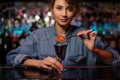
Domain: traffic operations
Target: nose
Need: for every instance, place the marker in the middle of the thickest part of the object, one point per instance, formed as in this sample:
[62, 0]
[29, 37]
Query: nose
[64, 12]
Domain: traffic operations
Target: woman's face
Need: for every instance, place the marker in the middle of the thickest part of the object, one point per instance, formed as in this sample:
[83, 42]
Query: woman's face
[63, 12]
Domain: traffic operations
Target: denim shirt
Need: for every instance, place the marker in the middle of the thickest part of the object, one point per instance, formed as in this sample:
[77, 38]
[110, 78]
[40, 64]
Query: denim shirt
[40, 44]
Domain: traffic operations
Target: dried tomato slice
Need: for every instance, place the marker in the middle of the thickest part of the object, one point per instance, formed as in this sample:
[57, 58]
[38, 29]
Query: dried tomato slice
[61, 38]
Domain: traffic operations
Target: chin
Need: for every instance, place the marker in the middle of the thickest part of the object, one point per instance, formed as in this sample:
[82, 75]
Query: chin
[63, 24]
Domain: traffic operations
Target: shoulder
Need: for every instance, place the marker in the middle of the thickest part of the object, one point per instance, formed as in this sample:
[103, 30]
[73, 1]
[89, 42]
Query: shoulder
[40, 33]
[41, 30]
[77, 28]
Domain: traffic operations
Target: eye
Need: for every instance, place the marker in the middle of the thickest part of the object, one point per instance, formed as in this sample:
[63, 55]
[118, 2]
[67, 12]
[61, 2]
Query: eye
[58, 7]
[70, 8]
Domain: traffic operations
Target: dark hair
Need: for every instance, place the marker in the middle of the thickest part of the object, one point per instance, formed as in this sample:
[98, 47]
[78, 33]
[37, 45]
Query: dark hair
[74, 3]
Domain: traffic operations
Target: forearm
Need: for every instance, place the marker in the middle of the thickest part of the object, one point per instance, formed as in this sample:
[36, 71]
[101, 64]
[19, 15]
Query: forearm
[103, 54]
[47, 63]
[30, 62]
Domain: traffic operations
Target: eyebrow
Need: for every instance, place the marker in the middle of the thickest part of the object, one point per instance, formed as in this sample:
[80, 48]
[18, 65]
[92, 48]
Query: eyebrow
[61, 5]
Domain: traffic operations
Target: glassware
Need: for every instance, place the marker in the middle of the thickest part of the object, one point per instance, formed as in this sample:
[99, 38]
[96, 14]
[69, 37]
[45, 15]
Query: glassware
[60, 51]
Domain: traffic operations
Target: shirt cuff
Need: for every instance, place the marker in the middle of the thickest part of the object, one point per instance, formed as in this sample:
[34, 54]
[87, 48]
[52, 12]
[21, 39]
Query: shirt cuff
[19, 59]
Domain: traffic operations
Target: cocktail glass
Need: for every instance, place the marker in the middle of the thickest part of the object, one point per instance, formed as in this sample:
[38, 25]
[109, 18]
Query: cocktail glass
[60, 51]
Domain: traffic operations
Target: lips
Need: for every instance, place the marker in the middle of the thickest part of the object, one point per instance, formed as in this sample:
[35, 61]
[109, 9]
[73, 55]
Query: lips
[63, 20]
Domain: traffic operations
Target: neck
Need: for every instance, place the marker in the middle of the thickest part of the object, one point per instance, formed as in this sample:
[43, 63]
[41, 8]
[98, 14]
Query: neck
[61, 30]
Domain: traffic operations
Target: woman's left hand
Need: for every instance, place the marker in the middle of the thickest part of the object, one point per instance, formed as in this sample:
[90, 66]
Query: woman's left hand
[88, 37]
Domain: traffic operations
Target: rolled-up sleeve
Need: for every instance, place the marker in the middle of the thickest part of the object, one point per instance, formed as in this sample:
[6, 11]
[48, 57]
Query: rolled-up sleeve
[16, 56]
[116, 55]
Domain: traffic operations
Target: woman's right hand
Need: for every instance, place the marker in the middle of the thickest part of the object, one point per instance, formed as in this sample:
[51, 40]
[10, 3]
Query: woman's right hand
[47, 63]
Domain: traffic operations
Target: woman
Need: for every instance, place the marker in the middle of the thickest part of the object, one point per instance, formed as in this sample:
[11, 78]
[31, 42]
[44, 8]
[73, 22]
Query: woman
[38, 49]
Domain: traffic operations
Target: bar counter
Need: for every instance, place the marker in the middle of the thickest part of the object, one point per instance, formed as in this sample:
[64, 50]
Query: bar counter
[71, 72]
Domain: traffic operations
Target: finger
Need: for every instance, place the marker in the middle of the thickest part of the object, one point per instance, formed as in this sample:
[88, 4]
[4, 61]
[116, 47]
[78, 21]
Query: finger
[48, 63]
[54, 62]
[46, 67]
[88, 32]
[81, 33]
[93, 34]
[84, 34]
[82, 37]
[57, 64]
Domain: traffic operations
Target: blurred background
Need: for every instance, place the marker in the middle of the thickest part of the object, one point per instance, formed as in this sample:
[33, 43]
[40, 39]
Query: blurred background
[19, 19]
